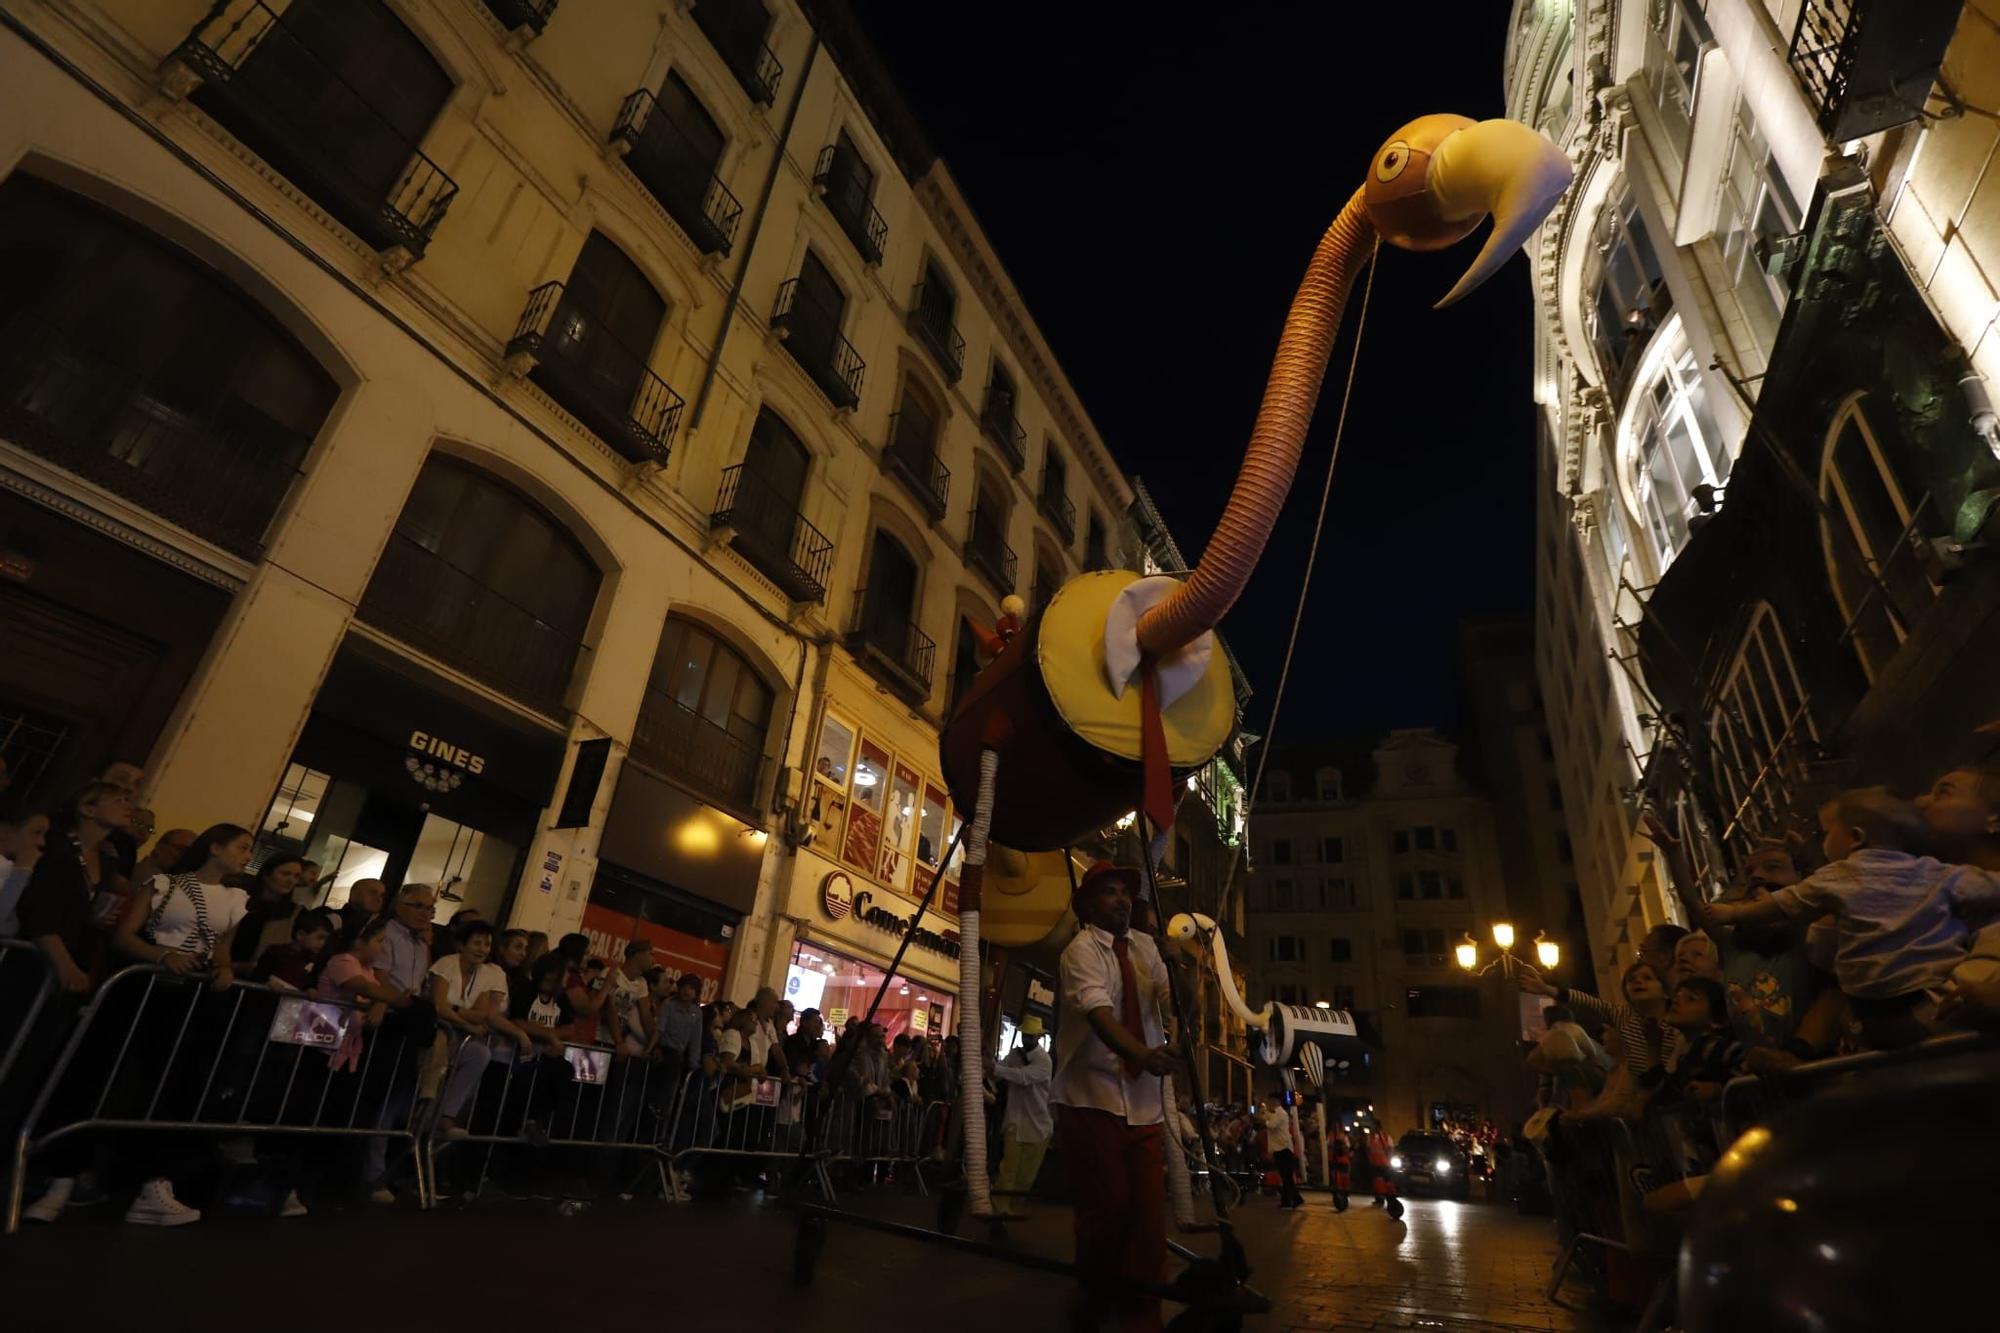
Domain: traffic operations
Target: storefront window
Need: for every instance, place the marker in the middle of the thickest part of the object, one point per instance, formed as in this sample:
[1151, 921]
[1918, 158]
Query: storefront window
[930, 830]
[836, 751]
[902, 826]
[841, 987]
[331, 822]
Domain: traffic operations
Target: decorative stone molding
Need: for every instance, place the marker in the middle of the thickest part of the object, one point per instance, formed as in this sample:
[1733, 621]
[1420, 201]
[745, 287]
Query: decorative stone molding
[212, 567]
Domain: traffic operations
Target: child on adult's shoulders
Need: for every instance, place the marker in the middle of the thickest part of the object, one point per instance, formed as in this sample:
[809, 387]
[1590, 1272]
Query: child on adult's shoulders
[1904, 920]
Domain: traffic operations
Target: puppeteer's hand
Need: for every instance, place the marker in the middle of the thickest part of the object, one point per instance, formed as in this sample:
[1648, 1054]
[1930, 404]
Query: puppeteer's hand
[1159, 1060]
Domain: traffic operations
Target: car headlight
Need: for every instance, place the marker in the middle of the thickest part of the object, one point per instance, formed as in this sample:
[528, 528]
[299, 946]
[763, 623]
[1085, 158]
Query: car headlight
[1396, 1162]
[1443, 1166]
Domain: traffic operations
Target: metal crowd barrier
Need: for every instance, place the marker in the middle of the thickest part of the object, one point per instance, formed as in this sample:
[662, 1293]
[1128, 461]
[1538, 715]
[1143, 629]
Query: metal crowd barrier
[1755, 1098]
[24, 975]
[161, 1052]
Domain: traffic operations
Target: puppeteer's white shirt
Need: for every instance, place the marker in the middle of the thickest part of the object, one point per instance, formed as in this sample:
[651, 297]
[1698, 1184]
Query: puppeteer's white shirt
[1089, 1073]
[1030, 1073]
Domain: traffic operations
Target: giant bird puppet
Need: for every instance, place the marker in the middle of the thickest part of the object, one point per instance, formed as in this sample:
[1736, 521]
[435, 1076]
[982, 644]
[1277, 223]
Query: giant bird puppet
[1091, 708]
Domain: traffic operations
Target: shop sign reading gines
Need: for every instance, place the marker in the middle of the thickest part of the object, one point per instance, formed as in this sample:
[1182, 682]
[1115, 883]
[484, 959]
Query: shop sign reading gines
[838, 899]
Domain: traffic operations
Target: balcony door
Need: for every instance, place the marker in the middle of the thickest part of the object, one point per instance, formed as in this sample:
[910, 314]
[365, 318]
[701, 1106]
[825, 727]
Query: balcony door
[773, 484]
[818, 310]
[891, 600]
[602, 335]
[689, 142]
[354, 89]
[852, 180]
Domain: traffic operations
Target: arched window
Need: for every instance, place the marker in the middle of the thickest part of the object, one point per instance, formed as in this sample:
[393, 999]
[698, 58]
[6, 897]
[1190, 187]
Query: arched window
[886, 636]
[705, 716]
[1675, 453]
[964, 660]
[986, 548]
[1631, 295]
[338, 95]
[810, 312]
[592, 343]
[134, 366]
[911, 454]
[1760, 732]
[1881, 586]
[761, 498]
[485, 580]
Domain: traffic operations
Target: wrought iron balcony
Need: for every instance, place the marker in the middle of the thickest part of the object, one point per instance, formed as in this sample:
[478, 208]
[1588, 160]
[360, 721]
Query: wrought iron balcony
[1057, 507]
[432, 605]
[886, 641]
[772, 535]
[735, 28]
[986, 550]
[602, 383]
[913, 461]
[674, 171]
[296, 112]
[996, 418]
[681, 743]
[846, 196]
[930, 320]
[516, 15]
[215, 465]
[812, 335]
[1868, 65]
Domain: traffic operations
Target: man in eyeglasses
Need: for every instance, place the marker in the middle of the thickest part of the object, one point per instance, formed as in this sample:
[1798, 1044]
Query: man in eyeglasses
[404, 962]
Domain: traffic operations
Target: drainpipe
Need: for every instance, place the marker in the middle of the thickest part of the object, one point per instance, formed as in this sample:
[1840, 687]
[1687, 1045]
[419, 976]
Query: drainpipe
[750, 241]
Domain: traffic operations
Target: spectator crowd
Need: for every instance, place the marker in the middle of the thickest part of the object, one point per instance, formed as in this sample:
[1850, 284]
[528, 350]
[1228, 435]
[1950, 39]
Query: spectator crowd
[1881, 935]
[454, 1030]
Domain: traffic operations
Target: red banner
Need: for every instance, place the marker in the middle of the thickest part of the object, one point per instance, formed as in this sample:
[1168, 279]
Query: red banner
[610, 931]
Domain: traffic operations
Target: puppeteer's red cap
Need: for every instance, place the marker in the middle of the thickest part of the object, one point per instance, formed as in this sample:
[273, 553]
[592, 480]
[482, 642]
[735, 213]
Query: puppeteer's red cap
[1105, 871]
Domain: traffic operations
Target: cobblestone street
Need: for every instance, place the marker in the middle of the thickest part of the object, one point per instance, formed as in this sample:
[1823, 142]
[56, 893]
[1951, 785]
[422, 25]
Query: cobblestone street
[726, 1267]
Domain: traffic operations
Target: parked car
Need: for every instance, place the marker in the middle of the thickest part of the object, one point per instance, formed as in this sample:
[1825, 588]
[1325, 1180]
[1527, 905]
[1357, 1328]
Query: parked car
[1432, 1163]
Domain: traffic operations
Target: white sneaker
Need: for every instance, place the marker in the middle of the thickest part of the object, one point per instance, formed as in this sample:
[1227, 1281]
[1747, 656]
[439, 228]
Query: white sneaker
[156, 1206]
[293, 1206]
[54, 1199]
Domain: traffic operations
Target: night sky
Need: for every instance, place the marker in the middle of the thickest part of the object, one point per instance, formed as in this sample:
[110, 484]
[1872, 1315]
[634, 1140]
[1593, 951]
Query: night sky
[1155, 190]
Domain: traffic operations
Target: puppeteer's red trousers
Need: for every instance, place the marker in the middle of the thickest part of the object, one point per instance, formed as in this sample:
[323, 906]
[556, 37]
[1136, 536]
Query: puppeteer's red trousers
[1118, 1186]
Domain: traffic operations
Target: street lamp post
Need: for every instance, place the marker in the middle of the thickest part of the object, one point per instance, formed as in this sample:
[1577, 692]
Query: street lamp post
[1547, 952]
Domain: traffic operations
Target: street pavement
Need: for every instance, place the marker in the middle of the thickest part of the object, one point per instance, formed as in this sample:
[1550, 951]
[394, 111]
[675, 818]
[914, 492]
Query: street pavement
[724, 1266]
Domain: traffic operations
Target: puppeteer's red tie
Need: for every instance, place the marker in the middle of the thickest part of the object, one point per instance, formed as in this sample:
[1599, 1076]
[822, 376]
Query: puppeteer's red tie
[1128, 1002]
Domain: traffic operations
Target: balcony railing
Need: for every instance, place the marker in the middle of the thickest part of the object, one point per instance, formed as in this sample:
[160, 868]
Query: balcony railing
[297, 113]
[215, 465]
[846, 196]
[987, 551]
[996, 418]
[682, 743]
[1868, 65]
[888, 643]
[515, 15]
[772, 535]
[914, 462]
[432, 605]
[1059, 511]
[930, 320]
[735, 29]
[602, 383]
[674, 171]
[812, 335]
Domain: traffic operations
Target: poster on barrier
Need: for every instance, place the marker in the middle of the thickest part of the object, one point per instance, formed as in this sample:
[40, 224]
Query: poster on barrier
[315, 1023]
[588, 1064]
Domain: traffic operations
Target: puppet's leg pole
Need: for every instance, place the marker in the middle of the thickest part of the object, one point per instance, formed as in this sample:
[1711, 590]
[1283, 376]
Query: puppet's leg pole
[1180, 1184]
[971, 1041]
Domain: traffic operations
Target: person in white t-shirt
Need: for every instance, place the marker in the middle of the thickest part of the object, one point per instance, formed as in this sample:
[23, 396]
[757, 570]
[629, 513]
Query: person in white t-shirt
[23, 834]
[184, 922]
[632, 1000]
[471, 997]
